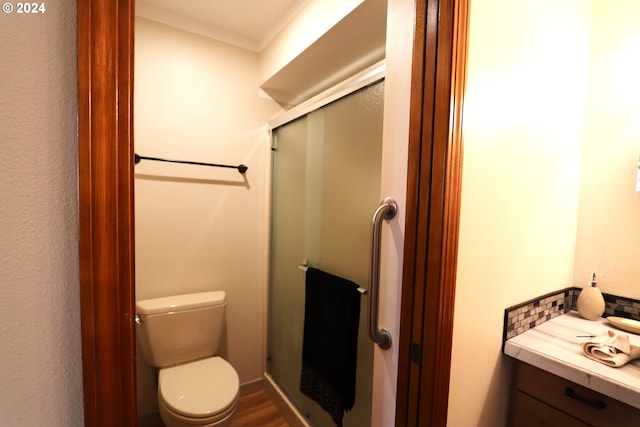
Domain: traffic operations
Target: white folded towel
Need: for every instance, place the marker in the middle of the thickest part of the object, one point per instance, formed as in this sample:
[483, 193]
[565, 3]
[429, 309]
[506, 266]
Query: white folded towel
[611, 348]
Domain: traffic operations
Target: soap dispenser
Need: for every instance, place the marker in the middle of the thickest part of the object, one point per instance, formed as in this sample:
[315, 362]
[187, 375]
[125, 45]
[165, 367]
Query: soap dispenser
[590, 301]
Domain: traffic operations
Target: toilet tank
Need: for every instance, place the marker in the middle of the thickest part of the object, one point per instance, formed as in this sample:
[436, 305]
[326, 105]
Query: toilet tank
[180, 328]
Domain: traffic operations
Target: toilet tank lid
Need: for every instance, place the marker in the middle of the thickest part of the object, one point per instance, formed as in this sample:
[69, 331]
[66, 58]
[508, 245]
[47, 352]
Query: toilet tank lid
[180, 302]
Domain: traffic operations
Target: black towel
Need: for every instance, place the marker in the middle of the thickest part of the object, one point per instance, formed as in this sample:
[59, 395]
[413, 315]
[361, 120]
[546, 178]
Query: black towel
[330, 343]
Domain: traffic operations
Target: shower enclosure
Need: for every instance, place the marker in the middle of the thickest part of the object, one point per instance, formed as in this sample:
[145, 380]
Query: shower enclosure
[326, 185]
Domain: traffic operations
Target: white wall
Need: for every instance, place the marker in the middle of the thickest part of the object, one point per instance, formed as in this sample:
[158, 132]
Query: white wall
[314, 19]
[400, 29]
[609, 222]
[40, 361]
[200, 228]
[312, 54]
[523, 130]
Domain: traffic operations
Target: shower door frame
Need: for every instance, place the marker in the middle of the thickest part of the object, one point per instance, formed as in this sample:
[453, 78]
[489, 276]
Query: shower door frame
[106, 235]
[372, 75]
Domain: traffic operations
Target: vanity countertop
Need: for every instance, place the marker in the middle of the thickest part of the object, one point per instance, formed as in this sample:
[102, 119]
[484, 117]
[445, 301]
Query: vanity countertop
[556, 347]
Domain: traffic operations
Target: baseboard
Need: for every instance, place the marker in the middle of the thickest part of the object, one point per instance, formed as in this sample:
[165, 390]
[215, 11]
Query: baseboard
[252, 386]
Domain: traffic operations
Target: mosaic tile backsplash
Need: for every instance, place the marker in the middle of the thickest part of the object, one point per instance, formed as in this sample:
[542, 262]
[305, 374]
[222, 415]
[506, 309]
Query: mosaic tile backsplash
[620, 306]
[522, 317]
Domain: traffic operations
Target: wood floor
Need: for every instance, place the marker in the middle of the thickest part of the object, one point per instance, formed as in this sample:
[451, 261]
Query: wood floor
[255, 409]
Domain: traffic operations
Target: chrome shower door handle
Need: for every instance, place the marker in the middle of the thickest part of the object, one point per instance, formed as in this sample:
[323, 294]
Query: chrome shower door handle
[387, 210]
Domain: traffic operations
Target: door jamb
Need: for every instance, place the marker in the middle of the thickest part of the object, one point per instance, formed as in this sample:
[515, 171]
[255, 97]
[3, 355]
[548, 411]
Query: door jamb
[106, 219]
[433, 212]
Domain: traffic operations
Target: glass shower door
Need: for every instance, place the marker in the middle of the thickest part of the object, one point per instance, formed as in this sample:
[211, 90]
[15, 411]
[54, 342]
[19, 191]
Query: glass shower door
[326, 186]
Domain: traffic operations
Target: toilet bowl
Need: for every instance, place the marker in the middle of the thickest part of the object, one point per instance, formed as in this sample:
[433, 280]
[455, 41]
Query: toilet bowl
[201, 393]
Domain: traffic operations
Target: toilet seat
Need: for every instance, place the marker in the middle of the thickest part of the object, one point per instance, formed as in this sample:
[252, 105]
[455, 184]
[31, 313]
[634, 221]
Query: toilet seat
[200, 392]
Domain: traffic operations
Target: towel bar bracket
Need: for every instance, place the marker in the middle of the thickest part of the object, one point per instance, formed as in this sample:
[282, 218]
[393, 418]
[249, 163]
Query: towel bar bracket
[387, 210]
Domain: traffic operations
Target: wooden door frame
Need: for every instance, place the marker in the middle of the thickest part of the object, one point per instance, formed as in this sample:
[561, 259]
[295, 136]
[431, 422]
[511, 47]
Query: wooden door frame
[433, 212]
[106, 220]
[106, 211]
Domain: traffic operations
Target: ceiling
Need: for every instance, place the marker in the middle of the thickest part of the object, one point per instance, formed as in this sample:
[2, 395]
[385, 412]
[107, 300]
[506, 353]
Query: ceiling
[249, 24]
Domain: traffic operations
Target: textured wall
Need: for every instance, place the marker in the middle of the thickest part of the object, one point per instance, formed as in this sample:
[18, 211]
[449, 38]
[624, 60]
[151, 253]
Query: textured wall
[40, 361]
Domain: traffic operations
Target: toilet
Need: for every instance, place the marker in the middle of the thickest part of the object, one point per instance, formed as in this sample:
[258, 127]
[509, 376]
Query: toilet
[180, 336]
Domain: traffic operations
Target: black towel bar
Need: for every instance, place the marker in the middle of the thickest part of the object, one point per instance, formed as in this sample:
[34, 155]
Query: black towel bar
[241, 168]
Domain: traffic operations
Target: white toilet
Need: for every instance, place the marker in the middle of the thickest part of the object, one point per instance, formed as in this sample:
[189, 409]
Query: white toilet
[180, 335]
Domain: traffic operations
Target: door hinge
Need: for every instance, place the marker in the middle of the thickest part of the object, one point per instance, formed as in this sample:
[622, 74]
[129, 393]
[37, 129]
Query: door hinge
[416, 353]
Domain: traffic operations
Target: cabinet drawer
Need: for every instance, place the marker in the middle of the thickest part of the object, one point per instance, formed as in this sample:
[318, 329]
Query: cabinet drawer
[580, 402]
[527, 411]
